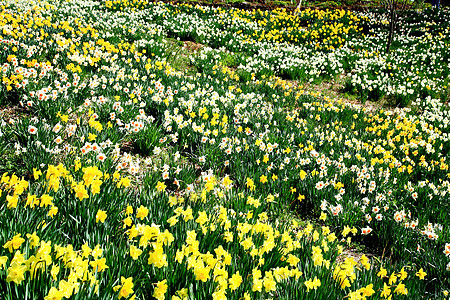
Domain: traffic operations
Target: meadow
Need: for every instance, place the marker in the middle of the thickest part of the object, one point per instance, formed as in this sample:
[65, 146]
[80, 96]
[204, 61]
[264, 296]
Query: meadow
[151, 150]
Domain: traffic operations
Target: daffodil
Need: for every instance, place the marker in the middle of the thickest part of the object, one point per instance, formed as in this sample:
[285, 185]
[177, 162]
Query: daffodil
[135, 252]
[14, 243]
[421, 274]
[100, 216]
[16, 273]
[126, 287]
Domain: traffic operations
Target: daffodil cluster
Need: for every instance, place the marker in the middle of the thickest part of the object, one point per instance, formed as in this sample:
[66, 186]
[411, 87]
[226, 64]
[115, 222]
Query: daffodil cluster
[135, 167]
